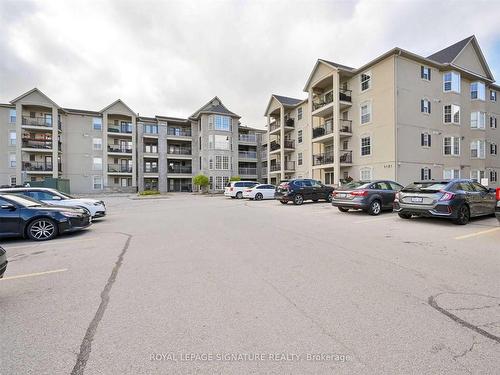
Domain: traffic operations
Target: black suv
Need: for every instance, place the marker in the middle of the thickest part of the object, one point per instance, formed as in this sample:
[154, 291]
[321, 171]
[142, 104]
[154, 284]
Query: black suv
[300, 190]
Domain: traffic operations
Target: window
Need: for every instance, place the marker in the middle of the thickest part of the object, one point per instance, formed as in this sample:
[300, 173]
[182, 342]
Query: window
[365, 110]
[476, 175]
[366, 146]
[211, 163]
[219, 184]
[493, 122]
[211, 181]
[451, 114]
[12, 116]
[451, 82]
[97, 144]
[221, 142]
[425, 106]
[150, 148]
[150, 128]
[450, 174]
[299, 158]
[97, 164]
[477, 149]
[329, 178]
[366, 81]
[222, 162]
[12, 160]
[451, 146]
[222, 123]
[299, 113]
[493, 95]
[477, 91]
[150, 166]
[493, 176]
[425, 174]
[477, 120]
[493, 149]
[97, 182]
[365, 174]
[13, 181]
[12, 138]
[425, 73]
[97, 123]
[425, 140]
[299, 136]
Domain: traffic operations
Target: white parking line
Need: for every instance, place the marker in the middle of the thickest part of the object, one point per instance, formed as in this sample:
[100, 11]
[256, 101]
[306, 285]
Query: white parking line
[33, 274]
[374, 219]
[475, 234]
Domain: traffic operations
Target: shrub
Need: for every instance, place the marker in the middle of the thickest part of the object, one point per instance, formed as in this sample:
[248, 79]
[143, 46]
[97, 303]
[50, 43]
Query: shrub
[235, 178]
[201, 181]
[149, 192]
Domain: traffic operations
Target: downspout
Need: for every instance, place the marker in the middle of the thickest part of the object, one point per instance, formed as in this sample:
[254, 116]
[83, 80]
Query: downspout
[396, 167]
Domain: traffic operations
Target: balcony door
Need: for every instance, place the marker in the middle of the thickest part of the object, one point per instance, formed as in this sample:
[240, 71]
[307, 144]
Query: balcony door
[48, 162]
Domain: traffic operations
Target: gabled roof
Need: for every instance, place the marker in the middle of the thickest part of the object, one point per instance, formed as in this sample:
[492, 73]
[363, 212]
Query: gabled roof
[285, 101]
[116, 102]
[81, 112]
[448, 54]
[32, 91]
[336, 65]
[173, 119]
[214, 106]
[331, 64]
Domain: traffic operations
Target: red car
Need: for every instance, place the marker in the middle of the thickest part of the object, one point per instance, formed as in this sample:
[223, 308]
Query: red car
[497, 208]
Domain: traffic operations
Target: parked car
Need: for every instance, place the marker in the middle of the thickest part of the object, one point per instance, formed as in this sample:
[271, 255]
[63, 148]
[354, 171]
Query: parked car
[303, 189]
[27, 217]
[3, 261]
[95, 208]
[370, 196]
[259, 192]
[234, 189]
[497, 208]
[458, 199]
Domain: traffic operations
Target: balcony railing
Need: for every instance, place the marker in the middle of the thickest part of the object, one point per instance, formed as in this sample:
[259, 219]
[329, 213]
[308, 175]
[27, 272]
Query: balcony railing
[37, 121]
[327, 98]
[247, 171]
[263, 155]
[275, 146]
[150, 169]
[247, 154]
[288, 143]
[323, 158]
[345, 126]
[36, 144]
[34, 166]
[251, 138]
[346, 157]
[345, 95]
[119, 168]
[127, 129]
[179, 151]
[176, 132]
[182, 169]
[273, 126]
[275, 167]
[289, 166]
[324, 129]
[151, 149]
[290, 122]
[120, 149]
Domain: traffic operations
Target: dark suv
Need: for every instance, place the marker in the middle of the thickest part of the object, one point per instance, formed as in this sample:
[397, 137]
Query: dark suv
[300, 190]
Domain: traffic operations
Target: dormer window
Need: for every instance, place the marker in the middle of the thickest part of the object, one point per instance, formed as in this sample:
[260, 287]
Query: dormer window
[451, 82]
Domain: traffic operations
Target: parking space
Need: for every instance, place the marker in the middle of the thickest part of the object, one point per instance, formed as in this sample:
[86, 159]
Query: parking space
[209, 274]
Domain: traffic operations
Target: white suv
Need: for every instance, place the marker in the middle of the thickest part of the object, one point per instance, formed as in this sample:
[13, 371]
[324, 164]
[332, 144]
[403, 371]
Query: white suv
[234, 189]
[95, 208]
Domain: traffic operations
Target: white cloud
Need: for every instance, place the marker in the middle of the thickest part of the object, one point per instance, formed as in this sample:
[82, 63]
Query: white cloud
[171, 57]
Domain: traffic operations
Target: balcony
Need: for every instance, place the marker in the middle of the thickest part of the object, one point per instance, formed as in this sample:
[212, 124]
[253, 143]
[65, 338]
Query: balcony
[289, 166]
[345, 126]
[345, 157]
[150, 149]
[119, 168]
[247, 138]
[150, 169]
[180, 169]
[324, 129]
[37, 144]
[120, 149]
[125, 128]
[345, 95]
[323, 158]
[263, 155]
[247, 171]
[323, 100]
[36, 166]
[275, 167]
[179, 151]
[247, 154]
[289, 144]
[37, 121]
[274, 126]
[178, 132]
[275, 146]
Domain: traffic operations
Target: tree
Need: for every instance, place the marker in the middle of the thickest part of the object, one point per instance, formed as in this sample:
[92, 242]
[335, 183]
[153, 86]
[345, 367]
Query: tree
[201, 181]
[235, 178]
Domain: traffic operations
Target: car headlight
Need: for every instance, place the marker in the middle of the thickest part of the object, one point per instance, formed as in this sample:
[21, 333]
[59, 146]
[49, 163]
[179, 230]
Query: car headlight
[70, 214]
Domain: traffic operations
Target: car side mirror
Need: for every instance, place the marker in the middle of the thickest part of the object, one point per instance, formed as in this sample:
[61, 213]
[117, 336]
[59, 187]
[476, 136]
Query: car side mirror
[56, 198]
[8, 206]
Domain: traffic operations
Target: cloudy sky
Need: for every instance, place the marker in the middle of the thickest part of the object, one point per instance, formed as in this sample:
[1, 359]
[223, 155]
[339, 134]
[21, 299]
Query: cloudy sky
[171, 57]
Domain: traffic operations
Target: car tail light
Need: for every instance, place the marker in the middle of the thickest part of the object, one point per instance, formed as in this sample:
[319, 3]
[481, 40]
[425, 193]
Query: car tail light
[248, 190]
[334, 194]
[447, 196]
[359, 193]
[498, 194]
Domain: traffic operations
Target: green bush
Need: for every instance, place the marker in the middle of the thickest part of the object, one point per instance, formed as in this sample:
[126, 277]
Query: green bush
[201, 181]
[149, 192]
[235, 178]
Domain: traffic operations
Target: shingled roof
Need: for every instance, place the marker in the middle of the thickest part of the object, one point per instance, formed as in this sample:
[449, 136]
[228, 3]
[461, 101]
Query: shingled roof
[448, 54]
[287, 101]
[214, 106]
[345, 67]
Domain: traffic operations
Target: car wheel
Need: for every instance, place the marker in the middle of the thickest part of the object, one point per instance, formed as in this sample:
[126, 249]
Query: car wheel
[283, 202]
[343, 209]
[404, 215]
[375, 208]
[42, 229]
[258, 197]
[239, 195]
[315, 200]
[463, 215]
[329, 197]
[298, 200]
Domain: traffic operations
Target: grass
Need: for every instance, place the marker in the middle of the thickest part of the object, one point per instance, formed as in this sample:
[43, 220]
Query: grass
[149, 192]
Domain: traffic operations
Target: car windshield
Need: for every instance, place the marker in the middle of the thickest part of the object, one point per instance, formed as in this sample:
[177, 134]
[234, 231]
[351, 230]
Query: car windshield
[355, 185]
[23, 200]
[65, 195]
[425, 187]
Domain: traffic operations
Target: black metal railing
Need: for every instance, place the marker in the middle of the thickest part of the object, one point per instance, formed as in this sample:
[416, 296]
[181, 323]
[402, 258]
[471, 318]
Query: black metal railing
[250, 138]
[179, 151]
[176, 132]
[322, 100]
[288, 143]
[289, 166]
[120, 149]
[34, 166]
[323, 158]
[273, 126]
[121, 129]
[36, 144]
[247, 154]
[150, 169]
[37, 121]
[290, 122]
[247, 171]
[119, 168]
[346, 157]
[184, 169]
[324, 129]
[345, 126]
[275, 167]
[275, 146]
[345, 95]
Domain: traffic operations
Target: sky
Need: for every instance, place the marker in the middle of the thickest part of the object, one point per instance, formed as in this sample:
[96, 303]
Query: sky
[171, 57]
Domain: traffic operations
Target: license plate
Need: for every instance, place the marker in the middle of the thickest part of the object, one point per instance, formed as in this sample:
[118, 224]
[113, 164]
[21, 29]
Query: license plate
[342, 195]
[417, 199]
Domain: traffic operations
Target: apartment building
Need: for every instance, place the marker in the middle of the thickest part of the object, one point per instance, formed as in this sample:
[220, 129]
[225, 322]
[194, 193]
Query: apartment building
[401, 116]
[115, 149]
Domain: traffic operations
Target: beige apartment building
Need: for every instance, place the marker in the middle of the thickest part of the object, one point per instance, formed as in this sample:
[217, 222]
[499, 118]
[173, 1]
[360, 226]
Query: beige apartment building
[401, 116]
[116, 150]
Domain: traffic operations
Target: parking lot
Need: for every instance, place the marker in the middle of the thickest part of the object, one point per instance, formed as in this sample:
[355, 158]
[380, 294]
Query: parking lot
[203, 284]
